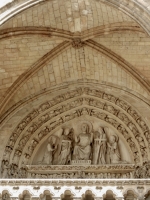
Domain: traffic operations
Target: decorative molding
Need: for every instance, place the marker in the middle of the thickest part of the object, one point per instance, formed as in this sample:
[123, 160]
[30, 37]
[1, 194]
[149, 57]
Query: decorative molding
[71, 85]
[127, 167]
[74, 182]
[85, 172]
[78, 188]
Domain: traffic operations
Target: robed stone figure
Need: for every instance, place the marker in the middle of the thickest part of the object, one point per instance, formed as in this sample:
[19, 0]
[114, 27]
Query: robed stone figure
[100, 146]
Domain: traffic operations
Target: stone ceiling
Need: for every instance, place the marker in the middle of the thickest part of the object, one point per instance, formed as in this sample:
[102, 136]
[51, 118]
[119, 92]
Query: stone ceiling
[30, 35]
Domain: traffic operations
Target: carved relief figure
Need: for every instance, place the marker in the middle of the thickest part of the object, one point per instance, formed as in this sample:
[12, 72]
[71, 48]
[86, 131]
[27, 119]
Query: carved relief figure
[13, 171]
[16, 157]
[65, 147]
[4, 169]
[100, 146]
[26, 158]
[50, 150]
[12, 140]
[82, 149]
[113, 153]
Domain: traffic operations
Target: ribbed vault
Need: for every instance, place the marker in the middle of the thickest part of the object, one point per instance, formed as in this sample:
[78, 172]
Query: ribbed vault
[85, 19]
[48, 64]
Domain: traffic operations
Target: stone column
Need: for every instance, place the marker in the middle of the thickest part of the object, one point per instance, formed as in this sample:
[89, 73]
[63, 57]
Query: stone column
[99, 198]
[13, 198]
[35, 198]
[26, 197]
[119, 198]
[140, 192]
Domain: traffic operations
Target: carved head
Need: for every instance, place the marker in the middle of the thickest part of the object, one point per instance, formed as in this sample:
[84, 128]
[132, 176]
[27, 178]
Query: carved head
[66, 131]
[85, 128]
[100, 130]
[112, 139]
[6, 163]
[52, 139]
[139, 138]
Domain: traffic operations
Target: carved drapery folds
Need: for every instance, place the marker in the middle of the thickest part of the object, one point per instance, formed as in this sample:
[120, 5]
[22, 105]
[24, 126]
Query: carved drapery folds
[42, 122]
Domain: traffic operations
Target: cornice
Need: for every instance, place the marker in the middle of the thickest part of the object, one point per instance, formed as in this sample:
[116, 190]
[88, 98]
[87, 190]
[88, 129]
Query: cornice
[74, 182]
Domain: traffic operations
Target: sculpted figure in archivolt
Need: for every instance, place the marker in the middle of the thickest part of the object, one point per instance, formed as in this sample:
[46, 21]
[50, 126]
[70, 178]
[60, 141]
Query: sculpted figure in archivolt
[58, 149]
[64, 156]
[82, 148]
[50, 152]
[100, 146]
[113, 153]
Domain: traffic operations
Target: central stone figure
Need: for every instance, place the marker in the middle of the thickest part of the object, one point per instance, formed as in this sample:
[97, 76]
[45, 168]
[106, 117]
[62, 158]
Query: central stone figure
[82, 148]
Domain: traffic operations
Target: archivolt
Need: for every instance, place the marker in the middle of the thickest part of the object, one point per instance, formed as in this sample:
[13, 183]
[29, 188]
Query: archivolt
[109, 108]
[69, 117]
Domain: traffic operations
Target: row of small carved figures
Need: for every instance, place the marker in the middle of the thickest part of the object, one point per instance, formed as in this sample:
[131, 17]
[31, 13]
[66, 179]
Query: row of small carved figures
[12, 171]
[46, 117]
[142, 171]
[81, 174]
